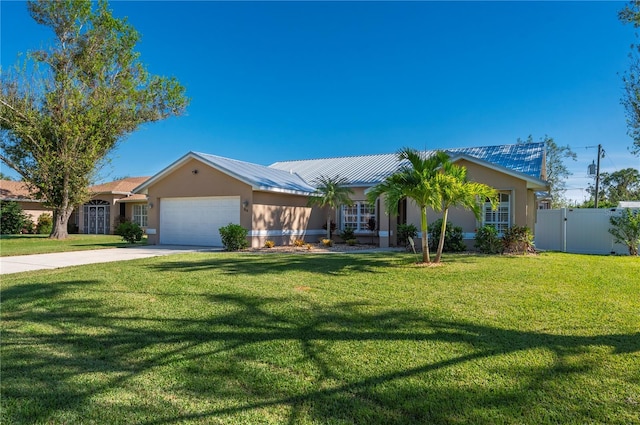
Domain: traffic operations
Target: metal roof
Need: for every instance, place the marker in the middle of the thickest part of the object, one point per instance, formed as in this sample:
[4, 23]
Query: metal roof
[259, 176]
[366, 170]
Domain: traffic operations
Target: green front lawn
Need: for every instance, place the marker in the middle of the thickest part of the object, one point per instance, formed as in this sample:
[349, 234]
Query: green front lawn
[41, 244]
[218, 338]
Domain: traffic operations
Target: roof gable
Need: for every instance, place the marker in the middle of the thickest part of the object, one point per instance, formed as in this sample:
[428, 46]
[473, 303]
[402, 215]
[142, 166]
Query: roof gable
[122, 186]
[257, 176]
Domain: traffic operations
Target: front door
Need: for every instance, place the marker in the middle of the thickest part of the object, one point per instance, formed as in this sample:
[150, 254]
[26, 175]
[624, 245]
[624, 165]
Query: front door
[96, 218]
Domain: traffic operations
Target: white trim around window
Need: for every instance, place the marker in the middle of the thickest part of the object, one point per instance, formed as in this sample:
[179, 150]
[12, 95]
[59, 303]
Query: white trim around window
[500, 218]
[357, 216]
[139, 215]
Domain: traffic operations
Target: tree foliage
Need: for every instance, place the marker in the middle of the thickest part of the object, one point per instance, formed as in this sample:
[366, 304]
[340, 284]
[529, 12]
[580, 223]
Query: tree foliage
[456, 190]
[331, 192]
[12, 218]
[65, 107]
[626, 229]
[557, 171]
[416, 180]
[631, 79]
[621, 185]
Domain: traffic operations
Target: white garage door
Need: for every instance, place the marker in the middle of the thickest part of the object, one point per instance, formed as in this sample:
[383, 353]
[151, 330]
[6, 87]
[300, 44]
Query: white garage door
[195, 221]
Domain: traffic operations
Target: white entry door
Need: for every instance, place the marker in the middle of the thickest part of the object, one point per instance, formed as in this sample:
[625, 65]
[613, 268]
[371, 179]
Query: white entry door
[195, 221]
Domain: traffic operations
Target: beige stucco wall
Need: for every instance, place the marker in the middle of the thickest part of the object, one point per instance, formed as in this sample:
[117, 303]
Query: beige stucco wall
[283, 218]
[183, 182]
[34, 209]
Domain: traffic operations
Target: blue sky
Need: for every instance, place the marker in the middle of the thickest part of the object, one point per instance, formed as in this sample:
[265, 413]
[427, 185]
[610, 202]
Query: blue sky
[273, 81]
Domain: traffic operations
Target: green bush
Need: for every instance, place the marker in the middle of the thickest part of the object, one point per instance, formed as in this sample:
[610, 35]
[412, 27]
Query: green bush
[129, 231]
[347, 233]
[45, 224]
[488, 241]
[234, 237]
[12, 219]
[352, 242]
[518, 239]
[406, 231]
[452, 237]
[626, 229]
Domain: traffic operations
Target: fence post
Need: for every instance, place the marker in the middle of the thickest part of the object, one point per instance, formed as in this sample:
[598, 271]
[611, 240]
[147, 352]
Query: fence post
[564, 229]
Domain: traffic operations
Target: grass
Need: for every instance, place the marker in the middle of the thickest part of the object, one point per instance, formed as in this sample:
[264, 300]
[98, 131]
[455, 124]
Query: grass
[41, 244]
[220, 338]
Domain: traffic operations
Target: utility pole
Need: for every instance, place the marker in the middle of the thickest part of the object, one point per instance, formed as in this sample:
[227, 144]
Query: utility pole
[595, 169]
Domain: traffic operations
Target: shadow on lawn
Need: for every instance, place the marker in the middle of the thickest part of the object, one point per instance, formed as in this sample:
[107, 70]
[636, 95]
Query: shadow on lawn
[259, 264]
[251, 355]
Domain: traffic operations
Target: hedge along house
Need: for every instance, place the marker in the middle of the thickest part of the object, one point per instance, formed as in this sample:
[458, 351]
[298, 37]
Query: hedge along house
[192, 198]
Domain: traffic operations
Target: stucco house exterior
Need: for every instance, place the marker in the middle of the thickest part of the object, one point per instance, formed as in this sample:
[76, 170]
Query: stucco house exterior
[19, 192]
[189, 200]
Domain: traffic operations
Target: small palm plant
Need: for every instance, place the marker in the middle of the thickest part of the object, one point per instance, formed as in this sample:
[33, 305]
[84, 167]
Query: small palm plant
[331, 192]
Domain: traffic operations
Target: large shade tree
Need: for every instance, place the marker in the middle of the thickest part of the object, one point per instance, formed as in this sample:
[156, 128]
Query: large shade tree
[631, 79]
[331, 192]
[457, 191]
[417, 179]
[65, 107]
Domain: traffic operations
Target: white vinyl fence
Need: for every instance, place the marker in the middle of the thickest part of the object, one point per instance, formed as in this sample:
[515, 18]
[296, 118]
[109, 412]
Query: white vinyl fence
[579, 230]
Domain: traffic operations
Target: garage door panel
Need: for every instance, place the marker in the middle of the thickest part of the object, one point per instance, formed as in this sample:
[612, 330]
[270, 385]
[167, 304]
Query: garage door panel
[195, 221]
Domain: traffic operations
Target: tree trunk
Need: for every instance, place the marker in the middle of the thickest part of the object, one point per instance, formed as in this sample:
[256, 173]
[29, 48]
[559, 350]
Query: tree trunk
[60, 222]
[329, 226]
[443, 229]
[425, 244]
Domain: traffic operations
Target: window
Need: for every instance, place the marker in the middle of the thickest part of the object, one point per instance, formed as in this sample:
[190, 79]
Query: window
[501, 217]
[140, 215]
[357, 216]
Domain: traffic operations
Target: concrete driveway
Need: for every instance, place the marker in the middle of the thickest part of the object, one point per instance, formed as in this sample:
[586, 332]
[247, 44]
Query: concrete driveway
[24, 263]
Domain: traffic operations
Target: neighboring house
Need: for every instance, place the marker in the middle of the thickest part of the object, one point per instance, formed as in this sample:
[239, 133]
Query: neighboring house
[19, 192]
[109, 203]
[199, 193]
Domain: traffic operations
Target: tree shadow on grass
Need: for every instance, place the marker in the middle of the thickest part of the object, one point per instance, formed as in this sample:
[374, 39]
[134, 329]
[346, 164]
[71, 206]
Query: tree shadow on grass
[250, 358]
[259, 264]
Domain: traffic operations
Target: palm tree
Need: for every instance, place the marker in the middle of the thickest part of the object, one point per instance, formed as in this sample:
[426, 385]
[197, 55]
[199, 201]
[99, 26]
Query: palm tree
[331, 192]
[456, 190]
[416, 180]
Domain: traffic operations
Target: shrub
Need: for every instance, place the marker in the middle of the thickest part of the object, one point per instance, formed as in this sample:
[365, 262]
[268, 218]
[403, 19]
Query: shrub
[347, 233]
[488, 241]
[626, 229]
[28, 227]
[309, 247]
[45, 224]
[298, 243]
[129, 231]
[518, 239]
[12, 218]
[406, 231]
[452, 237]
[326, 242]
[269, 244]
[234, 237]
[351, 242]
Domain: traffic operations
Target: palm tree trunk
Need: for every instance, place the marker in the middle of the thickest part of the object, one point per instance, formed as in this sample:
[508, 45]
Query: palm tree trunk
[329, 226]
[443, 229]
[423, 228]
